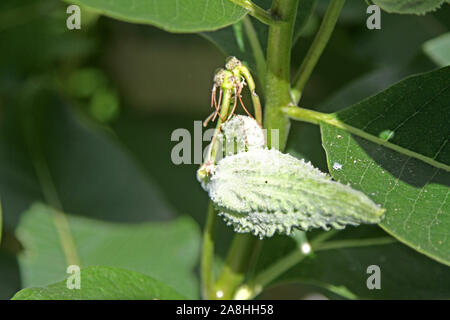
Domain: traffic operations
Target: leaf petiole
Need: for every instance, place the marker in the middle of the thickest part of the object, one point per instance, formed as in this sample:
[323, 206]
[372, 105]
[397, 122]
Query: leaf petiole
[256, 11]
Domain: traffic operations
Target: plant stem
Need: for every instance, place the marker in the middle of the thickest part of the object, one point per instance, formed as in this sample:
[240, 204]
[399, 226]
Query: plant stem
[315, 117]
[306, 115]
[255, 98]
[207, 261]
[278, 70]
[236, 265]
[317, 47]
[256, 11]
[296, 256]
[277, 93]
[353, 243]
[257, 50]
[275, 270]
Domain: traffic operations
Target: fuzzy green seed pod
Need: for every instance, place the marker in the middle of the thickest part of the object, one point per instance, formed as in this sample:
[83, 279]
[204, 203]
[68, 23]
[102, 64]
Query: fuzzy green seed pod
[264, 191]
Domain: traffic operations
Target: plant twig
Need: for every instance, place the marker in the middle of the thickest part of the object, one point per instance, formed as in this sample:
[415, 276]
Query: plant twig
[237, 263]
[317, 47]
[278, 70]
[318, 244]
[315, 117]
[353, 243]
[207, 261]
[256, 11]
[257, 50]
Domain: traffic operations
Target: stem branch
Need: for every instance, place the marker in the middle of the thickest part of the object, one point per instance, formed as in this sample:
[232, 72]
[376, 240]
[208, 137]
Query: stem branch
[256, 11]
[207, 276]
[257, 50]
[316, 117]
[317, 47]
[237, 263]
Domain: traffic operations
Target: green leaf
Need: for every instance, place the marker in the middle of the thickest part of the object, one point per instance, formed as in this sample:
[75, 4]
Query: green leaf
[343, 271]
[409, 6]
[170, 15]
[104, 283]
[404, 166]
[415, 110]
[438, 49]
[166, 251]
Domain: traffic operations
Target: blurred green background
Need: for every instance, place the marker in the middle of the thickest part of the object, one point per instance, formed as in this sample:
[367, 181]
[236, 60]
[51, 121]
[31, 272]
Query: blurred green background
[96, 108]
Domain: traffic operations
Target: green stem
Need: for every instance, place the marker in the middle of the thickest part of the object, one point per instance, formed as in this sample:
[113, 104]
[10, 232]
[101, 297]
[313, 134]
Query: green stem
[317, 47]
[277, 93]
[255, 98]
[278, 70]
[257, 50]
[237, 263]
[255, 11]
[354, 243]
[315, 117]
[274, 271]
[318, 244]
[224, 109]
[207, 261]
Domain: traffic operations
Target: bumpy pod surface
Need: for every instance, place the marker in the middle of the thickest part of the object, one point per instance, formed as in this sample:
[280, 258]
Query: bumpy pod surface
[241, 134]
[264, 191]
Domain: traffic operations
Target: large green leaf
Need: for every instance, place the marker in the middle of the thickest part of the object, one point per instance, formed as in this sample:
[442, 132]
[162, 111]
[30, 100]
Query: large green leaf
[166, 251]
[409, 6]
[104, 283]
[438, 49]
[404, 166]
[170, 15]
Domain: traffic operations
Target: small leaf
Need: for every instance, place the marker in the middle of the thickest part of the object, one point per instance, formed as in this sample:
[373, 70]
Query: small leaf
[438, 49]
[104, 283]
[409, 6]
[265, 191]
[170, 15]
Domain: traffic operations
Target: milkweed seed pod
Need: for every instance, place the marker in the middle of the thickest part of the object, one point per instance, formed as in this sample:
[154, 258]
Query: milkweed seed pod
[264, 191]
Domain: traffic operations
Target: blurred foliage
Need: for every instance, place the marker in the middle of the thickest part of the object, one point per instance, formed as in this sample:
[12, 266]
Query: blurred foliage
[86, 115]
